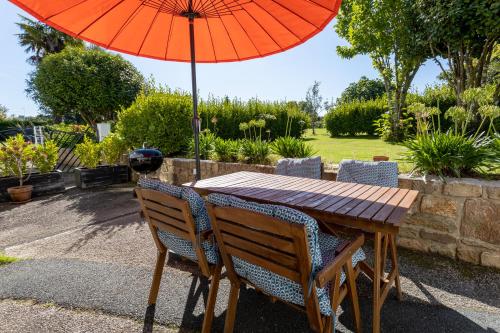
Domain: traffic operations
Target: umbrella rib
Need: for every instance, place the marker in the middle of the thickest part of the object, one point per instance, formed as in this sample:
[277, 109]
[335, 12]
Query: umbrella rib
[66, 9]
[211, 39]
[246, 33]
[229, 36]
[127, 22]
[320, 5]
[260, 25]
[101, 16]
[280, 23]
[149, 29]
[295, 13]
[169, 35]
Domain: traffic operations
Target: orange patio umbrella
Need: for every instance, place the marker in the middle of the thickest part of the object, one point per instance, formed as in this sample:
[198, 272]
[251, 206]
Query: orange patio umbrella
[205, 31]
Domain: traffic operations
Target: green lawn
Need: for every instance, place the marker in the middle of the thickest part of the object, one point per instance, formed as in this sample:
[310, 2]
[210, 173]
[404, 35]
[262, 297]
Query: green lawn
[333, 150]
[6, 260]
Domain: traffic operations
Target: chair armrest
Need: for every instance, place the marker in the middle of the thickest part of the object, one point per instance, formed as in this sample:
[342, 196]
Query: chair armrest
[346, 251]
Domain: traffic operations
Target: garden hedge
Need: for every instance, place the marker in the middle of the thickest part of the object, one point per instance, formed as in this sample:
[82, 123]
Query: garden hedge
[161, 120]
[355, 117]
[228, 114]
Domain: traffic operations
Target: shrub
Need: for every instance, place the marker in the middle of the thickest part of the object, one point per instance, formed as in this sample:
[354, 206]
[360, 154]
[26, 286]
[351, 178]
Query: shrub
[161, 119]
[89, 153]
[112, 148]
[255, 152]
[449, 154]
[207, 142]
[46, 156]
[289, 147]
[355, 117]
[226, 150]
[224, 116]
[16, 157]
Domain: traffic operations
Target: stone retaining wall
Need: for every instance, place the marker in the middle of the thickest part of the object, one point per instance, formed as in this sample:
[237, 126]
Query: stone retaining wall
[458, 219]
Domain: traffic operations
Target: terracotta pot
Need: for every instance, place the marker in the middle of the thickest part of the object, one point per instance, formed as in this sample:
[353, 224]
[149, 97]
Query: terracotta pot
[20, 194]
[380, 158]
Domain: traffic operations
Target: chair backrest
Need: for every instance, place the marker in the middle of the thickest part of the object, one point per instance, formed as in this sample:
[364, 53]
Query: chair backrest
[370, 173]
[262, 240]
[171, 215]
[300, 167]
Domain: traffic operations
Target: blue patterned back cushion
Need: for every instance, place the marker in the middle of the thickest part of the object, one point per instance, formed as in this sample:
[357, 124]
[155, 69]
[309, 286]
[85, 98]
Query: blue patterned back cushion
[370, 173]
[200, 216]
[299, 167]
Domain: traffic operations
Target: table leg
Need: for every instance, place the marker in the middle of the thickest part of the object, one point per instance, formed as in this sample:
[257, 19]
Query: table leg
[376, 281]
[395, 266]
[385, 245]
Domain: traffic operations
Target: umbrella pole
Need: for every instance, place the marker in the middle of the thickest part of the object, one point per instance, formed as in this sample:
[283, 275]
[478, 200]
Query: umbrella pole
[196, 120]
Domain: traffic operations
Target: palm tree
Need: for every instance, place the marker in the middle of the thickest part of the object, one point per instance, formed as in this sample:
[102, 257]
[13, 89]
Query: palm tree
[40, 39]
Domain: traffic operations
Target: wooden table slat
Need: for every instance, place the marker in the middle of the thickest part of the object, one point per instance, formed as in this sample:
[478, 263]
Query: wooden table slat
[339, 196]
[377, 205]
[308, 192]
[356, 211]
[385, 211]
[293, 187]
[316, 201]
[353, 203]
[253, 187]
[405, 204]
[348, 198]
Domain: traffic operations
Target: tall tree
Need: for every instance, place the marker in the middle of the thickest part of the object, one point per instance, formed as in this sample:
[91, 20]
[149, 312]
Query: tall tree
[391, 34]
[90, 83]
[312, 104]
[39, 39]
[363, 90]
[462, 35]
[3, 112]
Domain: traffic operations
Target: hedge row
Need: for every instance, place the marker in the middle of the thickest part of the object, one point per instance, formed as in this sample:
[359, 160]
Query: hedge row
[223, 116]
[162, 119]
[355, 117]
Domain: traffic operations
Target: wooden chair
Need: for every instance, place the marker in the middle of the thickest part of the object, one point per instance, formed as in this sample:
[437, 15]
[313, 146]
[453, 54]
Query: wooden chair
[171, 221]
[279, 251]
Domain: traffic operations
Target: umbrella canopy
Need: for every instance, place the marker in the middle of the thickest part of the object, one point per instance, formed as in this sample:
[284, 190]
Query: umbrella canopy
[221, 30]
[225, 30]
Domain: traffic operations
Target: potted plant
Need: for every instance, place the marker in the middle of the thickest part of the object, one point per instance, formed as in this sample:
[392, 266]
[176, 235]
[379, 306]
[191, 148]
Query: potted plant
[100, 162]
[16, 158]
[34, 163]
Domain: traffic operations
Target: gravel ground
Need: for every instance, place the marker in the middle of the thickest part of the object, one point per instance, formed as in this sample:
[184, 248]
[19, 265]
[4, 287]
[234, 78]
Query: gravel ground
[30, 317]
[47, 216]
[90, 250]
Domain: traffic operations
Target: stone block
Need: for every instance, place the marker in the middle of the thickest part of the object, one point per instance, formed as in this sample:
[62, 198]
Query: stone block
[409, 231]
[469, 253]
[441, 206]
[430, 185]
[482, 220]
[464, 187]
[447, 250]
[444, 224]
[492, 189]
[439, 237]
[412, 244]
[490, 259]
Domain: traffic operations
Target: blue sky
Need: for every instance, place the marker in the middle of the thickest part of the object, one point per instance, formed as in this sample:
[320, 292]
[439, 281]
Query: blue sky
[284, 76]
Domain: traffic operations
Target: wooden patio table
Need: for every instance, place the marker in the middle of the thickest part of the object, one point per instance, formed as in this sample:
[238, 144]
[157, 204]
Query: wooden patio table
[374, 210]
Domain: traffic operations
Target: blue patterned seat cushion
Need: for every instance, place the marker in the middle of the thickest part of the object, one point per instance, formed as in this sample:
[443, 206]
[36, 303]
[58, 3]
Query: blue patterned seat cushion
[321, 247]
[200, 215]
[370, 173]
[299, 167]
